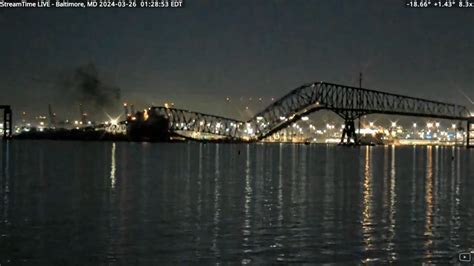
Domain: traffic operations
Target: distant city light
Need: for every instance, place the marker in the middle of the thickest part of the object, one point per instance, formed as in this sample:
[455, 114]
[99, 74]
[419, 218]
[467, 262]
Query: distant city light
[394, 124]
[367, 131]
[305, 118]
[249, 129]
[169, 104]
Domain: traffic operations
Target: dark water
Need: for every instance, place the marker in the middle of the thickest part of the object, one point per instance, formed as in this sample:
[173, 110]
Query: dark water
[78, 203]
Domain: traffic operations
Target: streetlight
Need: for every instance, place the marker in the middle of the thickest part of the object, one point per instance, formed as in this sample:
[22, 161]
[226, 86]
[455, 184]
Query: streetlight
[371, 124]
[414, 125]
[394, 124]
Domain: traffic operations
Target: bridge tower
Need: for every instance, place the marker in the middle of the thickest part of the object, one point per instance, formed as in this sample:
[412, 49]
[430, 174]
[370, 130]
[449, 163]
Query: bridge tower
[7, 121]
[470, 132]
[349, 130]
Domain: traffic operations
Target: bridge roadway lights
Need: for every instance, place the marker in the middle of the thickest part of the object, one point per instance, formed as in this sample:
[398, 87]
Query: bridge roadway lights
[470, 132]
[349, 131]
[7, 121]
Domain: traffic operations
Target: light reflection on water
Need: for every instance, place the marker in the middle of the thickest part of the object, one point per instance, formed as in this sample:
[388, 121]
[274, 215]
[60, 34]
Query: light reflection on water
[429, 203]
[112, 167]
[131, 203]
[367, 214]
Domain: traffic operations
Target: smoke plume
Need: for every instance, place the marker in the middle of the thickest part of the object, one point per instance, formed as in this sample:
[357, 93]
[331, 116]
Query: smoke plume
[85, 86]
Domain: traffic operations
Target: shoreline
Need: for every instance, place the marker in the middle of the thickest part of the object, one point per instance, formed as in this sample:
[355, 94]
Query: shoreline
[123, 138]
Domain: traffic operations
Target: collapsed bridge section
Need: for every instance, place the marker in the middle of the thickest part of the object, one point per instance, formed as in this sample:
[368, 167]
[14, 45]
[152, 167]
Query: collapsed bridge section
[350, 103]
[180, 120]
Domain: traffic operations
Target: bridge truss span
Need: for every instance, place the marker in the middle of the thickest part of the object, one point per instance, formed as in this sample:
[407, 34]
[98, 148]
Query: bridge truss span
[348, 102]
[181, 120]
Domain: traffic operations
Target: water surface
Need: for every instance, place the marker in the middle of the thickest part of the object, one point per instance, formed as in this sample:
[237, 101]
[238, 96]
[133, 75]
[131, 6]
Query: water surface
[93, 203]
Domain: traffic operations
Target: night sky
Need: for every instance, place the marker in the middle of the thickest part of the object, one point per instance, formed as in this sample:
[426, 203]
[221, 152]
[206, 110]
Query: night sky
[212, 49]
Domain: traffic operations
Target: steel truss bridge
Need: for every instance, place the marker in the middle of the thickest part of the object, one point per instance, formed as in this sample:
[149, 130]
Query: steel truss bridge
[350, 103]
[181, 120]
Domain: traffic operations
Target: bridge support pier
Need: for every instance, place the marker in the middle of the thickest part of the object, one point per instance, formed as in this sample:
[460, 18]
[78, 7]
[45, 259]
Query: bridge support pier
[349, 132]
[470, 133]
[7, 122]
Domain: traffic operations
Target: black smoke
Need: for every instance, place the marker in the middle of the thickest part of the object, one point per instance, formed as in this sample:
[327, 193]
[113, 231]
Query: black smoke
[87, 87]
